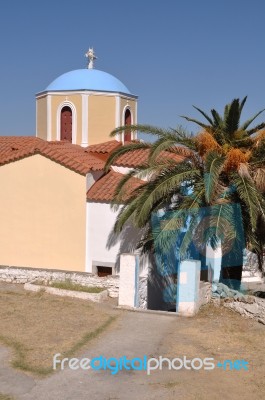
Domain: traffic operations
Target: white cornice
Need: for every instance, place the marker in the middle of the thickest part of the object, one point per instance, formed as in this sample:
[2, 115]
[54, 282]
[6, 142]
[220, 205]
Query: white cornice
[88, 92]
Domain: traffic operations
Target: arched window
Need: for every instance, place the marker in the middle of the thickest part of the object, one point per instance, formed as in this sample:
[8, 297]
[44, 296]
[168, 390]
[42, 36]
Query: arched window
[66, 124]
[127, 121]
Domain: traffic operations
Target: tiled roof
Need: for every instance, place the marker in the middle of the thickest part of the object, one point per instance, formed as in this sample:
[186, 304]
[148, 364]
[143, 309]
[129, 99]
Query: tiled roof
[131, 159]
[104, 188]
[106, 147]
[75, 157]
[79, 159]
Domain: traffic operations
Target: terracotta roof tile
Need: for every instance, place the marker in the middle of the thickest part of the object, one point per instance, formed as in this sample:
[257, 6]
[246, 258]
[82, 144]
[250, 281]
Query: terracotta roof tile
[72, 156]
[106, 147]
[104, 188]
[80, 159]
[138, 157]
[131, 159]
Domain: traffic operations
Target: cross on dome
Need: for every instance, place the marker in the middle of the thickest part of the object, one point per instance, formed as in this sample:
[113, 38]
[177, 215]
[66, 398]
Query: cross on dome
[91, 57]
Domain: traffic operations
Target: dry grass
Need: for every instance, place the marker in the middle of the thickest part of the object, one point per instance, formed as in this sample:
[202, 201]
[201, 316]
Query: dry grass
[68, 285]
[222, 334]
[218, 331]
[37, 326]
[5, 397]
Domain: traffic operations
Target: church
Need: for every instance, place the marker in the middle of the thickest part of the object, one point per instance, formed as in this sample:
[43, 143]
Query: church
[55, 195]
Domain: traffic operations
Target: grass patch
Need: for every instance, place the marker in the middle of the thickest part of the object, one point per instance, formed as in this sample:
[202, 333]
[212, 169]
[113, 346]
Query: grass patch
[68, 285]
[171, 384]
[21, 352]
[5, 397]
[37, 326]
[87, 337]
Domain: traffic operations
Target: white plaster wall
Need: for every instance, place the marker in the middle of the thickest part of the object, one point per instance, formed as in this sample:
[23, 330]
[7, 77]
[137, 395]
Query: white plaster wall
[100, 220]
[92, 177]
[102, 246]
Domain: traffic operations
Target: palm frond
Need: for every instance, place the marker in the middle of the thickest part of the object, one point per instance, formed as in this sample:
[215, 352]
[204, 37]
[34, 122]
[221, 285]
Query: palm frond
[195, 121]
[145, 172]
[126, 213]
[121, 192]
[249, 196]
[170, 145]
[226, 111]
[204, 114]
[233, 117]
[166, 229]
[189, 234]
[255, 129]
[218, 122]
[241, 105]
[123, 150]
[249, 121]
[213, 166]
[164, 184]
[148, 129]
[196, 199]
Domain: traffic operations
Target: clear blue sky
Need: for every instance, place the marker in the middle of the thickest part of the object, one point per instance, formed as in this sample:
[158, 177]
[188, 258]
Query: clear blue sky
[171, 53]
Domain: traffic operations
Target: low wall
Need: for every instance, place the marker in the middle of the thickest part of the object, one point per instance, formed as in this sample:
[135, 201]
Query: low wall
[205, 293]
[96, 297]
[24, 275]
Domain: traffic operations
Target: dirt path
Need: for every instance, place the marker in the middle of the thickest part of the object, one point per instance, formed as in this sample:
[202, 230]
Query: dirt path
[214, 332]
[133, 335]
[12, 380]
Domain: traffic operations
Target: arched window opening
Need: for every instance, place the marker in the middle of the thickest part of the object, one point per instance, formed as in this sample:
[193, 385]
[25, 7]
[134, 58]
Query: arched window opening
[66, 124]
[127, 121]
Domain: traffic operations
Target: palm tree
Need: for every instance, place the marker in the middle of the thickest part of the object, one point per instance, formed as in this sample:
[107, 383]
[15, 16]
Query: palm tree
[244, 152]
[185, 174]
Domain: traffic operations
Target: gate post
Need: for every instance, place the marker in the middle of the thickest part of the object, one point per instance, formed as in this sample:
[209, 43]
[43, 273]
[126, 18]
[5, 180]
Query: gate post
[188, 287]
[129, 280]
[214, 262]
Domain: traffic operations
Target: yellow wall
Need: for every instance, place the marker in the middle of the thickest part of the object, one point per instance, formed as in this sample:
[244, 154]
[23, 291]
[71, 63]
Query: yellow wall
[101, 118]
[41, 116]
[42, 214]
[101, 115]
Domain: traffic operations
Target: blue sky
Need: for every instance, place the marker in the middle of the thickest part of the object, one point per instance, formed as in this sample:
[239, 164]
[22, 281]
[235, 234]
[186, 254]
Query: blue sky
[171, 53]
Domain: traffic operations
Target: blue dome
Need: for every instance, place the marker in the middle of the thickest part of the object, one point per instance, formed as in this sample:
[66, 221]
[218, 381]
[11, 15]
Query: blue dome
[88, 79]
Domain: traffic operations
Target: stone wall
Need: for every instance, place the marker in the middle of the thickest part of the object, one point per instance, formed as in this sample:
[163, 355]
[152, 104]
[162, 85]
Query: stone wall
[249, 307]
[24, 275]
[205, 293]
[251, 271]
[142, 300]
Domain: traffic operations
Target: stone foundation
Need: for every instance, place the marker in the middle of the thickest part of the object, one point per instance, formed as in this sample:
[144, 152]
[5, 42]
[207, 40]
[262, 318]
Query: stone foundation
[27, 275]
